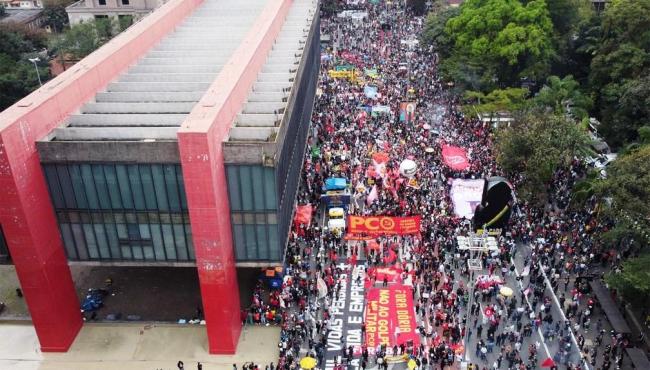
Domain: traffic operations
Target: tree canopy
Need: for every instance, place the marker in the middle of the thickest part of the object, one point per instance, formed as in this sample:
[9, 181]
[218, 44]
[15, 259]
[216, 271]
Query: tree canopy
[17, 74]
[563, 96]
[499, 100]
[633, 280]
[83, 38]
[504, 39]
[535, 146]
[620, 70]
[627, 185]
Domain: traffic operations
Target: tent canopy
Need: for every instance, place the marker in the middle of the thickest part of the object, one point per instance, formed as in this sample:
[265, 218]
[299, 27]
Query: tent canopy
[335, 183]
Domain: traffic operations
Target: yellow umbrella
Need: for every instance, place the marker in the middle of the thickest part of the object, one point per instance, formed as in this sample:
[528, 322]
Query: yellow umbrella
[506, 291]
[411, 364]
[308, 363]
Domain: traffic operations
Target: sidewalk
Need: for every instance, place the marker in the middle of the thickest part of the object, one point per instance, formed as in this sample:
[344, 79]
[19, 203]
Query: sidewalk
[134, 347]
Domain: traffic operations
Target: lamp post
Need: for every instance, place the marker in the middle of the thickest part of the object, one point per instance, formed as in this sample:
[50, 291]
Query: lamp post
[34, 60]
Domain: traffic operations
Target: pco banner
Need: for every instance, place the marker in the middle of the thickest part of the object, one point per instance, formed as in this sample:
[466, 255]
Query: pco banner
[383, 225]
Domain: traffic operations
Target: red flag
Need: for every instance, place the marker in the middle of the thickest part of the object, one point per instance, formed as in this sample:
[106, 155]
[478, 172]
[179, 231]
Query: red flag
[548, 362]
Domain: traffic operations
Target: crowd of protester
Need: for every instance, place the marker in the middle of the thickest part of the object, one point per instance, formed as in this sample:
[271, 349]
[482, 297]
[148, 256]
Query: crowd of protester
[346, 134]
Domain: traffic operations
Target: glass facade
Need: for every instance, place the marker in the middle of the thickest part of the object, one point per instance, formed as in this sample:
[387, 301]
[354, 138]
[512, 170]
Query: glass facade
[123, 212]
[293, 146]
[253, 210]
[262, 198]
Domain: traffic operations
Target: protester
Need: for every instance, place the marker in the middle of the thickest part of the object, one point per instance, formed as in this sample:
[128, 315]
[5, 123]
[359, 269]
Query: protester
[363, 126]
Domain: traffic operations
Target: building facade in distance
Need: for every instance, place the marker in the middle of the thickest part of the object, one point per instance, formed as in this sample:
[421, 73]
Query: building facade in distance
[127, 11]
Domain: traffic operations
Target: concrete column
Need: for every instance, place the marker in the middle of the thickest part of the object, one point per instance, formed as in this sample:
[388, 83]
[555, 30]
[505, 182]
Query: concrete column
[207, 197]
[32, 235]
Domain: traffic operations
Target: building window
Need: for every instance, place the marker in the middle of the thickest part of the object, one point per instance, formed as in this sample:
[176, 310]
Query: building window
[125, 2]
[101, 2]
[121, 211]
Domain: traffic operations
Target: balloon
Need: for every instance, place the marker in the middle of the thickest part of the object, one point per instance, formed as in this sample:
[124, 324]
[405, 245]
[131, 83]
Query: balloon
[408, 168]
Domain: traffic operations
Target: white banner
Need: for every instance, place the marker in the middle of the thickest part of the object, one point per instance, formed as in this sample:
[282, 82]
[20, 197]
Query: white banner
[466, 195]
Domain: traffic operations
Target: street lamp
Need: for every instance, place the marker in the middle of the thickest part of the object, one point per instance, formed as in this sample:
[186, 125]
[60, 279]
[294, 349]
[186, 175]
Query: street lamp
[34, 60]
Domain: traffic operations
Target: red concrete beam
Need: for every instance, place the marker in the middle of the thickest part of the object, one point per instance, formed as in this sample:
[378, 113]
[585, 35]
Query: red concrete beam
[200, 142]
[26, 213]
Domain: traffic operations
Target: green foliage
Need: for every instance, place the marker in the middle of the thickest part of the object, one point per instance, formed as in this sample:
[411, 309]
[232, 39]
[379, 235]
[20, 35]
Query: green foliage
[628, 186]
[535, 146]
[572, 20]
[633, 281]
[17, 74]
[84, 38]
[434, 31]
[563, 96]
[417, 6]
[499, 100]
[55, 14]
[503, 40]
[620, 70]
[584, 189]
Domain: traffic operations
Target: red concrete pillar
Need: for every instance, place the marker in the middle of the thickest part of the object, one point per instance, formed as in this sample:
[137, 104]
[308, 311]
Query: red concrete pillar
[207, 197]
[36, 248]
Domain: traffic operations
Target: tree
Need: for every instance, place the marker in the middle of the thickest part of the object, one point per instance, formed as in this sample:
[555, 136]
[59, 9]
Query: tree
[632, 280]
[625, 192]
[55, 15]
[571, 19]
[619, 69]
[83, 38]
[504, 38]
[499, 100]
[535, 146]
[417, 6]
[434, 33]
[563, 96]
[17, 75]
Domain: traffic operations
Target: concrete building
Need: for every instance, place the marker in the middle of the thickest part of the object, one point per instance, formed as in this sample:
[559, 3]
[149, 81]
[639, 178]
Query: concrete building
[32, 19]
[127, 11]
[179, 142]
[21, 4]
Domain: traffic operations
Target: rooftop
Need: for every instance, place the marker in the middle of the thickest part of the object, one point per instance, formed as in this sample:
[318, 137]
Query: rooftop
[20, 15]
[262, 115]
[152, 99]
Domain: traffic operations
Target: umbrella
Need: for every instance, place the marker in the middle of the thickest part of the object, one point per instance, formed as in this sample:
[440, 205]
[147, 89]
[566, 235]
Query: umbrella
[308, 363]
[506, 291]
[411, 364]
[548, 363]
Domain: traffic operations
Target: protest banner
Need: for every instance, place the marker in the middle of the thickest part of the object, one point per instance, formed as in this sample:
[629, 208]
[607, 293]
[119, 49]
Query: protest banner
[466, 195]
[383, 225]
[407, 111]
[390, 317]
[455, 157]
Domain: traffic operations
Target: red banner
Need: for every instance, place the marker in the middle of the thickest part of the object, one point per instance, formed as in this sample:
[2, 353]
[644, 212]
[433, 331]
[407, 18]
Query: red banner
[383, 225]
[390, 317]
[455, 157]
[392, 274]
